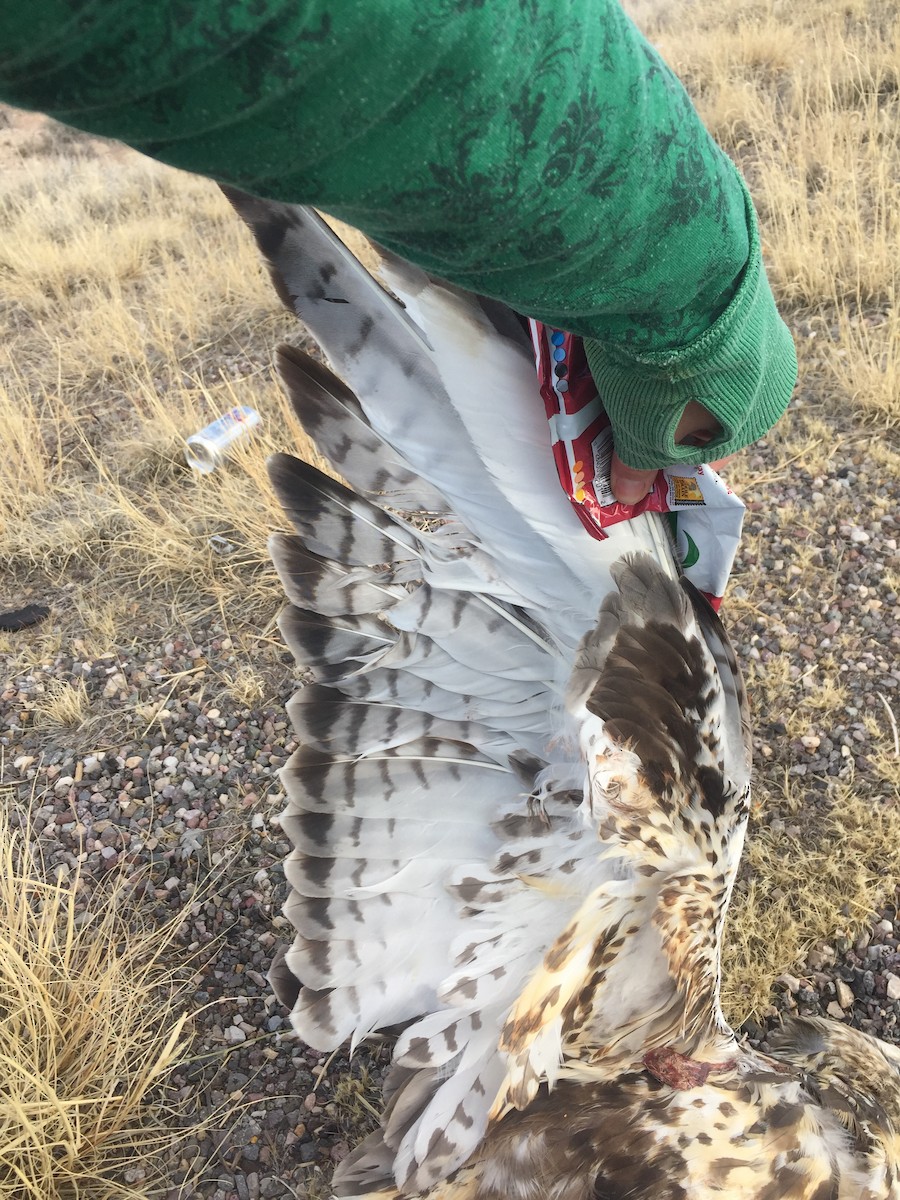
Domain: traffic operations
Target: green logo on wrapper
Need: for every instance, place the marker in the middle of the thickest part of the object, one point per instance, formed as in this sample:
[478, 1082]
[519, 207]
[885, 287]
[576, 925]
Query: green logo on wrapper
[691, 553]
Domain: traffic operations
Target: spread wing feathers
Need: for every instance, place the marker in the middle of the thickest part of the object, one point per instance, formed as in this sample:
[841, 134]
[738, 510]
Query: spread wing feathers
[335, 522]
[332, 520]
[452, 872]
[323, 718]
[328, 587]
[446, 391]
[425, 891]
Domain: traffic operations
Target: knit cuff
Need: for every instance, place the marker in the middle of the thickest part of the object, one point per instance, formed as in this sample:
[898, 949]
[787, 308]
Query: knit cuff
[742, 369]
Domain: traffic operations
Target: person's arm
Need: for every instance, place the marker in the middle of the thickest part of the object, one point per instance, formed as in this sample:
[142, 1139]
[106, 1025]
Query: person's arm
[539, 152]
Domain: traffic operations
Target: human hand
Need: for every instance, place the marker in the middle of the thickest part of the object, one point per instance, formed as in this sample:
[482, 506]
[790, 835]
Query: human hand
[697, 427]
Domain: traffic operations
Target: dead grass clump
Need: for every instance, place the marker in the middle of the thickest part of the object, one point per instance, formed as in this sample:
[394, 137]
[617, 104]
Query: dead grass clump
[865, 361]
[92, 1021]
[805, 883]
[357, 1100]
[64, 705]
[247, 686]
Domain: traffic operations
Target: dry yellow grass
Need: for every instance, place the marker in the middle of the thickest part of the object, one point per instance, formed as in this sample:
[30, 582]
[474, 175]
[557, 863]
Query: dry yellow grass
[92, 1022]
[799, 890]
[804, 96]
[64, 705]
[130, 296]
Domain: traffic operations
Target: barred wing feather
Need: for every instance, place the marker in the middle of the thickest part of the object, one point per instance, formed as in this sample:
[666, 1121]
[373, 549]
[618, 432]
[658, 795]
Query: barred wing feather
[437, 808]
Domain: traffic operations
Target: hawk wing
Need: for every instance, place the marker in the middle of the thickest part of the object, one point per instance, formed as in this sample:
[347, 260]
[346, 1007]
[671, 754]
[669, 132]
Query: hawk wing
[515, 826]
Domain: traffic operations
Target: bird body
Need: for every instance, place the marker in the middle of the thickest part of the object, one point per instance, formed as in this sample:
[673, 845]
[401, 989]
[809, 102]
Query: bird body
[516, 822]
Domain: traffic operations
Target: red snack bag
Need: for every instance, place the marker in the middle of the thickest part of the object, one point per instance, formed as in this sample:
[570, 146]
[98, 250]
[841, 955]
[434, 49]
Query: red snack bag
[705, 516]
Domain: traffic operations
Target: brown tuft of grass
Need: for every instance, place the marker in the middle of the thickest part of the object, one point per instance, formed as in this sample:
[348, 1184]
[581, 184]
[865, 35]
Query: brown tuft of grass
[63, 706]
[807, 881]
[357, 1101]
[92, 1022]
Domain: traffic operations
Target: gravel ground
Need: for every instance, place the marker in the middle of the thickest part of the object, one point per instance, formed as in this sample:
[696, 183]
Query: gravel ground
[184, 797]
[188, 808]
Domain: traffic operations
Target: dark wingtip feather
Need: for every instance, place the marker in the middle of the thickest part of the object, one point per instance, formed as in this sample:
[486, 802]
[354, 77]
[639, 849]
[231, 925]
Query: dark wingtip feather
[310, 384]
[285, 983]
[292, 479]
[270, 223]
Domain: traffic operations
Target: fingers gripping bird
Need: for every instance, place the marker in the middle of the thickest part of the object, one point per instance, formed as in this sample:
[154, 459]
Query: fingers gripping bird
[516, 823]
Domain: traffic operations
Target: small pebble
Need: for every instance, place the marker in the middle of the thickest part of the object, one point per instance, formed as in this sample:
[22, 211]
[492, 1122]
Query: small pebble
[844, 994]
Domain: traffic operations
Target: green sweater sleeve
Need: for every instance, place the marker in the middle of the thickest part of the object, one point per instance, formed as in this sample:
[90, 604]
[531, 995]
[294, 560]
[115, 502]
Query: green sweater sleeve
[538, 151]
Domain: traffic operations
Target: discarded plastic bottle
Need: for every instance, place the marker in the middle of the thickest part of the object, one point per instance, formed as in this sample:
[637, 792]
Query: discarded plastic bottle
[206, 450]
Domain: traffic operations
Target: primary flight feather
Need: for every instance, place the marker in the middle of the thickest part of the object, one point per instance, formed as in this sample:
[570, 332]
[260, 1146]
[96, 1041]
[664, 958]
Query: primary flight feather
[516, 822]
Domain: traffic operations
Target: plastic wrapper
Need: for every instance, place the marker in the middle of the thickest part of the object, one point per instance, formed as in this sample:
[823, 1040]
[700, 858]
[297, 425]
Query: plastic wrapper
[704, 514]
